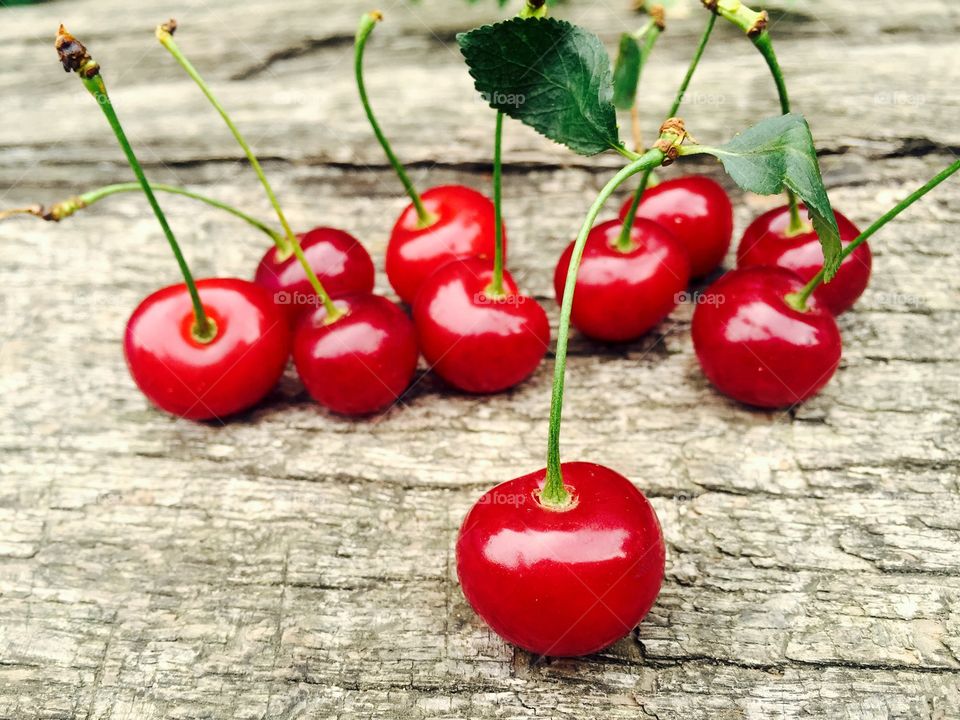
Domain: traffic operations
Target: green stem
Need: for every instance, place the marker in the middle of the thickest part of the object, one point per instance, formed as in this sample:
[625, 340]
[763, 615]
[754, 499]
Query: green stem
[367, 23]
[495, 289]
[799, 300]
[204, 330]
[66, 208]
[554, 494]
[534, 9]
[623, 242]
[290, 242]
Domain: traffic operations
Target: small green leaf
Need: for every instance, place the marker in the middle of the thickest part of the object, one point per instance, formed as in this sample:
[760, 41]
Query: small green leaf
[626, 72]
[779, 152]
[549, 74]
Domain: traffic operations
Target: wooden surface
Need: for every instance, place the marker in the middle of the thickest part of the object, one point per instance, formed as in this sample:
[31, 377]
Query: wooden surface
[292, 564]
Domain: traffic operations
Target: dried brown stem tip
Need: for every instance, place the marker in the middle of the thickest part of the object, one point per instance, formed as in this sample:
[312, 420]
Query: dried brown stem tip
[639, 6]
[659, 16]
[74, 56]
[763, 19]
[672, 134]
[170, 26]
[376, 15]
[710, 4]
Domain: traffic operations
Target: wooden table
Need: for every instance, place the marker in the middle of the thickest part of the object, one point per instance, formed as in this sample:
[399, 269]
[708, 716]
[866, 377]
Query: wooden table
[291, 564]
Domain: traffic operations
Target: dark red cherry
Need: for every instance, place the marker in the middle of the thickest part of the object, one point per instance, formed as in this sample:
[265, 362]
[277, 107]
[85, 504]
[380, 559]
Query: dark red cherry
[622, 295]
[756, 348]
[362, 362]
[697, 211]
[766, 242]
[341, 263]
[464, 227]
[478, 343]
[201, 381]
[568, 582]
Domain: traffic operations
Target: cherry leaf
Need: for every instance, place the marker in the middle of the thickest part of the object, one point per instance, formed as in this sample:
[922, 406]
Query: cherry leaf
[549, 74]
[626, 72]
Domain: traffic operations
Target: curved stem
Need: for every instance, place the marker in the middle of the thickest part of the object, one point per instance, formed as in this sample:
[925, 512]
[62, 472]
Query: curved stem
[623, 242]
[799, 300]
[66, 208]
[367, 23]
[554, 494]
[290, 242]
[495, 289]
[204, 330]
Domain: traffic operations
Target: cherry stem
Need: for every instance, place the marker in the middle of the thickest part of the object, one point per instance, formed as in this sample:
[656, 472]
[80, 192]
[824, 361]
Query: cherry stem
[624, 242]
[66, 208]
[367, 23]
[75, 57]
[495, 288]
[554, 493]
[799, 300]
[290, 243]
[534, 9]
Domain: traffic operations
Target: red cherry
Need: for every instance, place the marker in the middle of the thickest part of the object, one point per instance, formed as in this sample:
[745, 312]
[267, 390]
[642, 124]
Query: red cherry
[464, 228]
[477, 343]
[341, 263]
[361, 363]
[200, 381]
[766, 242]
[755, 347]
[562, 583]
[697, 211]
[621, 295]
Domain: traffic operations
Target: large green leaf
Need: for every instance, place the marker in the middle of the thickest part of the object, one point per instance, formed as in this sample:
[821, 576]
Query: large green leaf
[626, 72]
[549, 74]
[779, 152]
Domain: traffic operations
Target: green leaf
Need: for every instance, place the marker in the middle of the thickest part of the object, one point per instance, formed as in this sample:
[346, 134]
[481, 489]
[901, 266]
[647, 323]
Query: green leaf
[549, 74]
[626, 72]
[779, 152]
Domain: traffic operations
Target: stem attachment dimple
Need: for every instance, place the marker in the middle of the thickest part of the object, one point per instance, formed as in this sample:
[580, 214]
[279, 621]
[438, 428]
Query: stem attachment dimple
[367, 23]
[75, 58]
[290, 242]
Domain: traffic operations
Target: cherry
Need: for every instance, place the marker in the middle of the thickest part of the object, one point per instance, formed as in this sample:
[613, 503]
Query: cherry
[474, 340]
[462, 227]
[623, 294]
[341, 263]
[766, 242]
[757, 348]
[697, 211]
[204, 380]
[361, 362]
[562, 582]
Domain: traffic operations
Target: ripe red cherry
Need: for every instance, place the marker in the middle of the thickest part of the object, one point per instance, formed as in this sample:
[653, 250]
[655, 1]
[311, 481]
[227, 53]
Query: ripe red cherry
[622, 295]
[361, 363]
[200, 381]
[464, 227]
[562, 583]
[477, 343]
[766, 242]
[697, 211]
[756, 348]
[341, 263]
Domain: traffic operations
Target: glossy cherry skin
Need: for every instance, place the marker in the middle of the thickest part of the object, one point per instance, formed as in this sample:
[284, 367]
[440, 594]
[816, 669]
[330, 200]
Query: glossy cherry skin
[361, 363]
[622, 295]
[562, 583]
[765, 242]
[464, 228]
[341, 263]
[757, 349]
[477, 343]
[202, 381]
[697, 211]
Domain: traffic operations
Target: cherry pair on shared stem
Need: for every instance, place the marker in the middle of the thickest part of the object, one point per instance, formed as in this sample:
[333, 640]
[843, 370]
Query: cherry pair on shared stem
[577, 545]
[355, 353]
[445, 223]
[200, 350]
[293, 268]
[766, 336]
